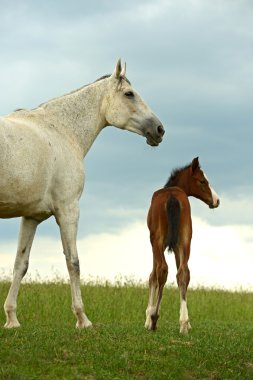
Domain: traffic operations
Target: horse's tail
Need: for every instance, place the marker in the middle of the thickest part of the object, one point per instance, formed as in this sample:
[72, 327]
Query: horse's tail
[173, 214]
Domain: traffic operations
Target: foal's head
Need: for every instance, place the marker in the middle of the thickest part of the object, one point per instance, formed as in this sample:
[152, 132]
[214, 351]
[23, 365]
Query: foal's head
[194, 182]
[200, 187]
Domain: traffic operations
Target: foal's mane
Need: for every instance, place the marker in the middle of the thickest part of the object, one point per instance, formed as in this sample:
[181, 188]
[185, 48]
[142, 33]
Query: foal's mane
[174, 175]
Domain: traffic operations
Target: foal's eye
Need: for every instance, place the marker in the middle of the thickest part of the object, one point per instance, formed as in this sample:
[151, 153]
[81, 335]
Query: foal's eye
[129, 94]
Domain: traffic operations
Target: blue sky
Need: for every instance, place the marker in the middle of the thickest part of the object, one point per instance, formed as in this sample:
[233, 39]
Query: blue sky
[192, 62]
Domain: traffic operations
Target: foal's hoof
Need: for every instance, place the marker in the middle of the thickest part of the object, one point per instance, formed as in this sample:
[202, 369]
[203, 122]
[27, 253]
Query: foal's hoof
[185, 327]
[151, 322]
[84, 324]
[148, 323]
[154, 319]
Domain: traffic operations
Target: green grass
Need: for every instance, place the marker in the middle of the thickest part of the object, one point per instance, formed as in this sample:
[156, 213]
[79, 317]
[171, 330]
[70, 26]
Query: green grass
[48, 346]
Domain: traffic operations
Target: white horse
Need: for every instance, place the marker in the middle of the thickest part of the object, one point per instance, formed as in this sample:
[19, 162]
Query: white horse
[41, 166]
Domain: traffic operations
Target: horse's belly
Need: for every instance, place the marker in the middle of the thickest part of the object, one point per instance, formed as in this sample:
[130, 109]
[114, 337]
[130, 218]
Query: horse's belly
[16, 208]
[37, 172]
[25, 173]
[23, 193]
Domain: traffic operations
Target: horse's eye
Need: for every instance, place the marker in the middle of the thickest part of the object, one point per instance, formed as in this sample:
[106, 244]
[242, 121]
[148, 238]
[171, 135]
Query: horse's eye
[129, 94]
[203, 182]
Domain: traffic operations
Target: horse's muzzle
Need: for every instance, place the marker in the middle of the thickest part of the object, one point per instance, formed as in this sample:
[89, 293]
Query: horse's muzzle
[154, 134]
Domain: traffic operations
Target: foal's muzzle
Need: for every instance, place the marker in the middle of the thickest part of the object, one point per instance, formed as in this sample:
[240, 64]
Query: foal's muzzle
[214, 205]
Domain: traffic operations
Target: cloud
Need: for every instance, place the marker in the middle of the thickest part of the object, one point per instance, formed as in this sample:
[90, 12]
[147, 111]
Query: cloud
[221, 256]
[234, 210]
[104, 255]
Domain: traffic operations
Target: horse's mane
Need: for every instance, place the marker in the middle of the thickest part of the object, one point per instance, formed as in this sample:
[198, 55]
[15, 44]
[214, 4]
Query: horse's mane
[108, 75]
[174, 175]
[78, 89]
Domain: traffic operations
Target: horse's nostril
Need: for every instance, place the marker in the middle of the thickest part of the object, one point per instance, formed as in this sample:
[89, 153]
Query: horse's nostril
[160, 130]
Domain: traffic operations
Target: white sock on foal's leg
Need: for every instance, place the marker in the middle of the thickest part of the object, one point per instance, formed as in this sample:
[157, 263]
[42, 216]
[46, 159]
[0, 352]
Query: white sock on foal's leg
[184, 318]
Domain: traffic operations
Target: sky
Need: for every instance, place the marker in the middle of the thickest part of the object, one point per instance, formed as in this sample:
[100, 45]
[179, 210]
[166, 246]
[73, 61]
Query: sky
[192, 62]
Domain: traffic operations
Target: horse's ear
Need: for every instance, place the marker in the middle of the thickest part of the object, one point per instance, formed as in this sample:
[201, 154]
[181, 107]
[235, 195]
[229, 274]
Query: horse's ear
[118, 68]
[123, 71]
[195, 164]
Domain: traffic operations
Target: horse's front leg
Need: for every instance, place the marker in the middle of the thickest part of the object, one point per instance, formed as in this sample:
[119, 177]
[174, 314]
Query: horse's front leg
[67, 219]
[26, 235]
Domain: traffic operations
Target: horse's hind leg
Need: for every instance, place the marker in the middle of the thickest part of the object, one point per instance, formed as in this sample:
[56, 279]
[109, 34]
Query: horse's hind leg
[183, 279]
[26, 235]
[67, 219]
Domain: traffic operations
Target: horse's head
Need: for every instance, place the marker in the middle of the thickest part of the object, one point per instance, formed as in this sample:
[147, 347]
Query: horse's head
[200, 186]
[125, 108]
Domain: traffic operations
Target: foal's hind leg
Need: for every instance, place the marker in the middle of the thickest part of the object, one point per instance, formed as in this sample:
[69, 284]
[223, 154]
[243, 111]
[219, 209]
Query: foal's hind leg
[67, 218]
[26, 235]
[162, 273]
[152, 298]
[157, 281]
[183, 279]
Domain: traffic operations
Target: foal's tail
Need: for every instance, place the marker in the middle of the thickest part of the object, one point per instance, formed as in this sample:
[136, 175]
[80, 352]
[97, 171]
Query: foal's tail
[173, 213]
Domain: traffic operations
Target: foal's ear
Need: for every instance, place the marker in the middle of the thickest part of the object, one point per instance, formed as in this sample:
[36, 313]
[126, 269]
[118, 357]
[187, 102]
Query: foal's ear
[118, 68]
[195, 164]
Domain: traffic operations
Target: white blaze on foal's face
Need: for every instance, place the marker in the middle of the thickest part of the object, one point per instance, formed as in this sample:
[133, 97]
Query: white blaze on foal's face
[215, 198]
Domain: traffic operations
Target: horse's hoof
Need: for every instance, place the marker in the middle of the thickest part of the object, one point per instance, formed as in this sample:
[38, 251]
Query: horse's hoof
[11, 325]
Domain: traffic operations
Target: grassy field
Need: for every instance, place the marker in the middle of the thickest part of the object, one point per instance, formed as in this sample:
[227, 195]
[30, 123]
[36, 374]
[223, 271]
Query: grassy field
[47, 346]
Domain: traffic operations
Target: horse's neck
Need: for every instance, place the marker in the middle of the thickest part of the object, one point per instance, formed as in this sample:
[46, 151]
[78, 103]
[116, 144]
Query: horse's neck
[78, 114]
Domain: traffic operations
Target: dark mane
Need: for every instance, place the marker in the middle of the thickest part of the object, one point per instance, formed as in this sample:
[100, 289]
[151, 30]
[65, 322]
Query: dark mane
[174, 175]
[80, 88]
[103, 77]
[108, 75]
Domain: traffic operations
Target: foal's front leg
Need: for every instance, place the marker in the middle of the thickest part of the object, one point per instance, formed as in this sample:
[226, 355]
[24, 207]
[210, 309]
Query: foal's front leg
[26, 235]
[67, 219]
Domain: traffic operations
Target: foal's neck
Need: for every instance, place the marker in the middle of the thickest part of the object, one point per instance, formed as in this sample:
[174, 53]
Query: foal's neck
[182, 181]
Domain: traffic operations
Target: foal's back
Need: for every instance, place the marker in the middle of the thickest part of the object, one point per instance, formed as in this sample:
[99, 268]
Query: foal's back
[158, 218]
